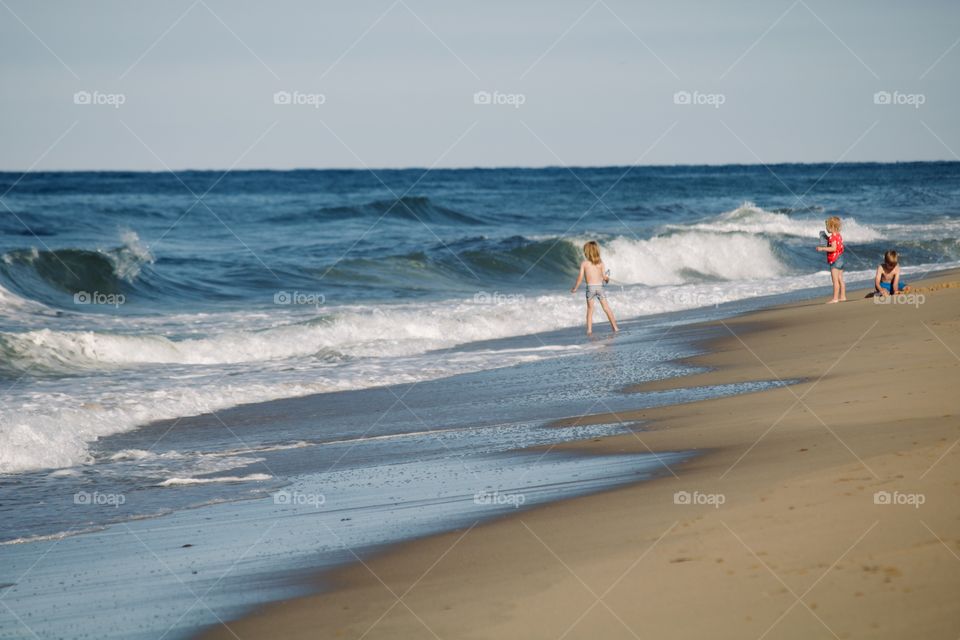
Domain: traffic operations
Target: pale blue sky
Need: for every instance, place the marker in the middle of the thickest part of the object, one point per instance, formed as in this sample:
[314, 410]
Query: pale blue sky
[597, 79]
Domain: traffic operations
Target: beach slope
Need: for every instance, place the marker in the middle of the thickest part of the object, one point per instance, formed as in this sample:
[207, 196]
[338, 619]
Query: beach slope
[825, 508]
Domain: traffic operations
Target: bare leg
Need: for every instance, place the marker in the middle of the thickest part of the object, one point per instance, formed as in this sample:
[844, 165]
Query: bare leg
[589, 316]
[843, 288]
[835, 278]
[607, 310]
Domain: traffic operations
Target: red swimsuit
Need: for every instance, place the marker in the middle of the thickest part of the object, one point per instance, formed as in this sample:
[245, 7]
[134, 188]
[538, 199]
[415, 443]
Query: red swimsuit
[836, 241]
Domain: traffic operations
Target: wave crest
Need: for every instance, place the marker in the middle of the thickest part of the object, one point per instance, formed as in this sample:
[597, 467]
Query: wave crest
[76, 270]
[685, 258]
[751, 219]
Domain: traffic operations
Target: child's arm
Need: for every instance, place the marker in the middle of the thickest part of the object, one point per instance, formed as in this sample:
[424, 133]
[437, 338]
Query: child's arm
[876, 282]
[830, 248]
[895, 285]
[603, 270]
[579, 280]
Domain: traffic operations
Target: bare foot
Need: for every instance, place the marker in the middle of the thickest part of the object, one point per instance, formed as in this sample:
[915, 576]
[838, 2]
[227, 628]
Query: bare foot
[833, 302]
[589, 333]
[843, 299]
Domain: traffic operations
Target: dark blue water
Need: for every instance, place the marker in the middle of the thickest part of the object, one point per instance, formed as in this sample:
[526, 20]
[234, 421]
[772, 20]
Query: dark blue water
[400, 235]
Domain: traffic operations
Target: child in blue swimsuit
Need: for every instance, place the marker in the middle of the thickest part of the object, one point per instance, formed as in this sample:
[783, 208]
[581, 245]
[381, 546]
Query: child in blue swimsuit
[887, 279]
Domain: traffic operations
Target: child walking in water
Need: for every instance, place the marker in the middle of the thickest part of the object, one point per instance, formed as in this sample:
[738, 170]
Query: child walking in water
[593, 271]
[834, 249]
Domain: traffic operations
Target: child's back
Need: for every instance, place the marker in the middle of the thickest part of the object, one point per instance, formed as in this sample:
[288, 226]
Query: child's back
[593, 272]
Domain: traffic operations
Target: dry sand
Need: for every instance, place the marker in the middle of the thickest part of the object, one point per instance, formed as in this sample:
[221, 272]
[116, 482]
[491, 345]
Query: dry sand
[799, 547]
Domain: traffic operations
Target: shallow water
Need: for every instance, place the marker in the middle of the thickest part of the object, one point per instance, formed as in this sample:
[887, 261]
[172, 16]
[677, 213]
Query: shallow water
[295, 486]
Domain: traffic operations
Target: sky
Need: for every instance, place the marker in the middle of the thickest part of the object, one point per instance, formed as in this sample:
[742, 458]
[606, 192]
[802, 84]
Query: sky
[233, 84]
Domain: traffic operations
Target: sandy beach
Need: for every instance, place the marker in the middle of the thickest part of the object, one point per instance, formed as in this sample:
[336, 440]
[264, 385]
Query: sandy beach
[823, 508]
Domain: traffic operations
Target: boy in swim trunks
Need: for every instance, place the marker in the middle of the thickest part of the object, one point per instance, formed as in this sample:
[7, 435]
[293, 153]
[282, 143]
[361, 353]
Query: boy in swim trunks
[593, 271]
[887, 280]
[834, 249]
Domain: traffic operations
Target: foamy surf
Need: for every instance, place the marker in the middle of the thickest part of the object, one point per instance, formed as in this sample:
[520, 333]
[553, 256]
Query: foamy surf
[87, 372]
[748, 218]
[682, 258]
[386, 345]
[177, 482]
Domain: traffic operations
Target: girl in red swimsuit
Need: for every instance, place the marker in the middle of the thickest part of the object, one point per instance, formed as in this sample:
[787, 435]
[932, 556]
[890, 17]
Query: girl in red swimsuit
[834, 251]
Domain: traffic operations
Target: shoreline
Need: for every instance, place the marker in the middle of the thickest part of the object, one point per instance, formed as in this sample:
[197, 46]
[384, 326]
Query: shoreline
[776, 503]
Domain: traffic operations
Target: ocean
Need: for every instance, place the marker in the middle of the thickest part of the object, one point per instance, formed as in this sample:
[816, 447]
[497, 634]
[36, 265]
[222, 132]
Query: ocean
[371, 341]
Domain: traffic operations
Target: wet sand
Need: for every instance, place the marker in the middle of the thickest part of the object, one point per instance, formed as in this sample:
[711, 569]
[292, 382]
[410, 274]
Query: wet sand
[827, 508]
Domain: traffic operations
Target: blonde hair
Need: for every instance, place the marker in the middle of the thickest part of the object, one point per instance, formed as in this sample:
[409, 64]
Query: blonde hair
[833, 224]
[592, 251]
[890, 258]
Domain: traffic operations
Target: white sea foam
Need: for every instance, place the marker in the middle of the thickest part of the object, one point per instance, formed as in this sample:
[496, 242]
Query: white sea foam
[11, 303]
[689, 257]
[253, 477]
[387, 346]
[53, 425]
[129, 259]
[748, 218]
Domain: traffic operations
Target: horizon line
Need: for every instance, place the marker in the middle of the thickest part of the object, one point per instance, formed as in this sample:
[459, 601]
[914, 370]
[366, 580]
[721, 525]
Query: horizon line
[487, 167]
